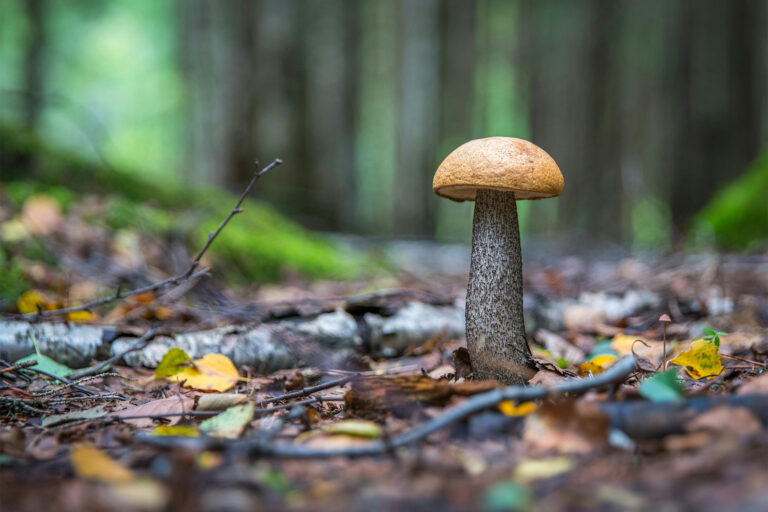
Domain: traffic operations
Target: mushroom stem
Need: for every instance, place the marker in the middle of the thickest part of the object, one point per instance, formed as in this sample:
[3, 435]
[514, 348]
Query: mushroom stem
[495, 327]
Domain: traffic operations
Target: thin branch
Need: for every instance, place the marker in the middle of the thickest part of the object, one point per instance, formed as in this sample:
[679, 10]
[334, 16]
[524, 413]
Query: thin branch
[309, 390]
[614, 375]
[259, 411]
[141, 342]
[19, 366]
[190, 273]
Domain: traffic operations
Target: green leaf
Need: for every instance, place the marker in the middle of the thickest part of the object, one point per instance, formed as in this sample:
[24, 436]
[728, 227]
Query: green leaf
[662, 387]
[174, 361]
[708, 331]
[562, 362]
[230, 423]
[507, 495]
[47, 365]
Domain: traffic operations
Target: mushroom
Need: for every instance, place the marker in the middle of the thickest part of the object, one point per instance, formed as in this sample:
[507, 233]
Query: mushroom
[495, 172]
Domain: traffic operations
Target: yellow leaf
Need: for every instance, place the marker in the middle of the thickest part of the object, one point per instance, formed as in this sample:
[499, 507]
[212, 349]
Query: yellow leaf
[508, 408]
[701, 360]
[29, 301]
[214, 372]
[528, 470]
[81, 316]
[355, 428]
[175, 430]
[597, 364]
[91, 463]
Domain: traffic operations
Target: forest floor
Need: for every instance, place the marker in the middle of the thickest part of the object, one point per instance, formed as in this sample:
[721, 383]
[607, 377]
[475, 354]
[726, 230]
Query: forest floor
[403, 427]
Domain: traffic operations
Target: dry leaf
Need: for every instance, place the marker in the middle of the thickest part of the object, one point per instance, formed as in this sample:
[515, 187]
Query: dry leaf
[566, 427]
[214, 372]
[41, 214]
[756, 386]
[701, 360]
[220, 401]
[91, 463]
[597, 364]
[156, 407]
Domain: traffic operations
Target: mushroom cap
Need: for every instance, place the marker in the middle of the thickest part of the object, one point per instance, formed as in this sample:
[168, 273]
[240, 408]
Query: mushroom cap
[498, 163]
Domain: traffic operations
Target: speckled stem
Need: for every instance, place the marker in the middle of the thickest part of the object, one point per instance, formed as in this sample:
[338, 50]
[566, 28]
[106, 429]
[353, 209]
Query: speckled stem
[495, 327]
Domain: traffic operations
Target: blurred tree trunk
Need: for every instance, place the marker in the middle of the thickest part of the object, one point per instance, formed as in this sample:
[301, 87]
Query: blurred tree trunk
[457, 77]
[718, 118]
[417, 116]
[34, 61]
[330, 57]
[376, 131]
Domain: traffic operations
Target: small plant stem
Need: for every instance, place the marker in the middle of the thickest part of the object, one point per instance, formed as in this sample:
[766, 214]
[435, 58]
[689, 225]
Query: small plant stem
[664, 349]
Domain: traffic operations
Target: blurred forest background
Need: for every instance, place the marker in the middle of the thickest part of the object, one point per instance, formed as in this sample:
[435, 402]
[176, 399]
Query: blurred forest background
[655, 111]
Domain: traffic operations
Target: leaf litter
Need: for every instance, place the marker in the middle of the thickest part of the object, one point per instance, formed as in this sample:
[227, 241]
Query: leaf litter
[691, 437]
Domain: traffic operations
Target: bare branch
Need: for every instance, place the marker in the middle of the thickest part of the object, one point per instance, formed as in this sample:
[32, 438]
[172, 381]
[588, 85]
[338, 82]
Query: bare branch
[190, 273]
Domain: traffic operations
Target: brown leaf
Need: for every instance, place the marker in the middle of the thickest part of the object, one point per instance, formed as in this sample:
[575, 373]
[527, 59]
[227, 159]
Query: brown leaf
[566, 427]
[156, 407]
[462, 363]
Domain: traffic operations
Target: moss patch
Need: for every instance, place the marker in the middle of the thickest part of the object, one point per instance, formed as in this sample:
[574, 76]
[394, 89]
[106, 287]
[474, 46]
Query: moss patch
[258, 245]
[738, 214]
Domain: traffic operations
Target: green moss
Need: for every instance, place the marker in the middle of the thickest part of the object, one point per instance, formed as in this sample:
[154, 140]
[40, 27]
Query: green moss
[738, 214]
[12, 281]
[258, 245]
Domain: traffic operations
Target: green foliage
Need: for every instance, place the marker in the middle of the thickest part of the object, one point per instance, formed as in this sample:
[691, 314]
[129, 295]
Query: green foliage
[46, 364]
[711, 335]
[507, 495]
[259, 245]
[662, 387]
[738, 215]
[12, 280]
[174, 361]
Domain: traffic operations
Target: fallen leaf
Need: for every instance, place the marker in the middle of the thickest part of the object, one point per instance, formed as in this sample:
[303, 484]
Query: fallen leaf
[509, 408]
[47, 365]
[214, 372]
[88, 414]
[701, 360]
[756, 386]
[727, 421]
[155, 408]
[626, 344]
[357, 428]
[93, 464]
[33, 301]
[175, 430]
[230, 423]
[81, 316]
[528, 470]
[507, 495]
[597, 364]
[662, 387]
[41, 214]
[220, 401]
[566, 427]
[174, 361]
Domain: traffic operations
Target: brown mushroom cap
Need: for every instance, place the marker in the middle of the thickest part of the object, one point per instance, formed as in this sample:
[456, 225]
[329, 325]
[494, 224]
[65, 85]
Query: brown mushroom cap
[498, 163]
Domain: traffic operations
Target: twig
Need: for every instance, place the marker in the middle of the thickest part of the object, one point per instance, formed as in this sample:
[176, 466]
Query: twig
[309, 390]
[141, 342]
[745, 360]
[67, 383]
[615, 374]
[265, 410]
[190, 273]
[18, 366]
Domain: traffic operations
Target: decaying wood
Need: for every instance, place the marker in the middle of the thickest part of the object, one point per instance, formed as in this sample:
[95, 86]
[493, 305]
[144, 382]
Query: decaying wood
[329, 340]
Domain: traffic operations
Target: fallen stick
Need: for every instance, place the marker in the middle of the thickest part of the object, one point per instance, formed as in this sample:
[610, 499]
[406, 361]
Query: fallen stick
[648, 420]
[190, 273]
[613, 376]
